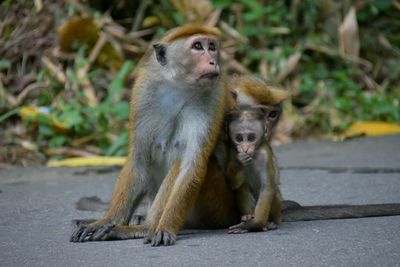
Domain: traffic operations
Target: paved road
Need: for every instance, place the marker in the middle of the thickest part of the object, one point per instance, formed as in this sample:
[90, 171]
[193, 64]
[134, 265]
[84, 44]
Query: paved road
[37, 205]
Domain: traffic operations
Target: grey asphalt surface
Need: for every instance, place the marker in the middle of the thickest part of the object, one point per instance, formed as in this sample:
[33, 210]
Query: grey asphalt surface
[37, 206]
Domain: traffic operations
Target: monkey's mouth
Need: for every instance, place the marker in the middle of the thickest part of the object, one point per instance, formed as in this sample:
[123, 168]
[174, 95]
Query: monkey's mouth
[210, 75]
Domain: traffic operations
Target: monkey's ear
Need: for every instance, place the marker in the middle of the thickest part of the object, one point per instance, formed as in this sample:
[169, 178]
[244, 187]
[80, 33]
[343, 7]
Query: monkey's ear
[160, 50]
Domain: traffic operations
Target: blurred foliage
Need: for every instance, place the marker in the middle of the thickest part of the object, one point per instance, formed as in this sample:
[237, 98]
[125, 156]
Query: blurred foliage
[72, 63]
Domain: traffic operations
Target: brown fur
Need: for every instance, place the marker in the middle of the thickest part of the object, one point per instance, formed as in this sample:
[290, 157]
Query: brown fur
[189, 30]
[265, 92]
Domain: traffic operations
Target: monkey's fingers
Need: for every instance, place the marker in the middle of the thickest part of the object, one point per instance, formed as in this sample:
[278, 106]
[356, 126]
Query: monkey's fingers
[238, 228]
[76, 234]
[245, 159]
[149, 237]
[104, 233]
[86, 234]
[163, 238]
[93, 232]
[80, 234]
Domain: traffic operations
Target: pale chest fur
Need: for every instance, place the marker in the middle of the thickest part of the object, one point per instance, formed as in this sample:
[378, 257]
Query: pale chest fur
[172, 125]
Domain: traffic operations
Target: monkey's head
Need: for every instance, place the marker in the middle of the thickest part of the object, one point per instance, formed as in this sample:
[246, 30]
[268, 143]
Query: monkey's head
[189, 56]
[271, 115]
[248, 90]
[246, 129]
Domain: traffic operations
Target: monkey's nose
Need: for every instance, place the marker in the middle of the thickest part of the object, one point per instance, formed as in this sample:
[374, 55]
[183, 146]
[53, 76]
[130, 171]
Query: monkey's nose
[246, 148]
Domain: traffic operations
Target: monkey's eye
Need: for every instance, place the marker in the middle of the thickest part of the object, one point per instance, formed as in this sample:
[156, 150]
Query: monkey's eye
[251, 137]
[211, 46]
[239, 138]
[273, 114]
[197, 46]
[234, 94]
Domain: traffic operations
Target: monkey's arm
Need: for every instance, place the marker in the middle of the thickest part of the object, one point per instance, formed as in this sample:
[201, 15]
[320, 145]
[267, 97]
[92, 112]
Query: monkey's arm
[125, 199]
[296, 212]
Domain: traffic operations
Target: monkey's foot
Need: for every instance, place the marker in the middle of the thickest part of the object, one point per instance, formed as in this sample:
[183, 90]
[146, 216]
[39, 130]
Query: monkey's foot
[160, 238]
[107, 231]
[272, 226]
[93, 232]
[248, 224]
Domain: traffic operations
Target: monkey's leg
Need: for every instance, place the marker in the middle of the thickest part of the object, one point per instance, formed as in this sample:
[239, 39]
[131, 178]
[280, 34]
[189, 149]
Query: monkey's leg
[126, 196]
[276, 209]
[215, 206]
[183, 195]
[263, 208]
[157, 207]
[245, 200]
[261, 214]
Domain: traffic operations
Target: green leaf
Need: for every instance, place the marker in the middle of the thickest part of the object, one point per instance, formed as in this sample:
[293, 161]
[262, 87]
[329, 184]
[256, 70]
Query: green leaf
[8, 114]
[120, 110]
[117, 85]
[45, 130]
[57, 141]
[71, 118]
[119, 147]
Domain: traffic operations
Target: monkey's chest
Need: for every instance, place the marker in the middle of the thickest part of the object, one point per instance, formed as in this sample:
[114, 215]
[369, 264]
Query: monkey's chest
[170, 129]
[166, 147]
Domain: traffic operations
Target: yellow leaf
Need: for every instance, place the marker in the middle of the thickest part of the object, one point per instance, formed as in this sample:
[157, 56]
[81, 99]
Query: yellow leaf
[30, 113]
[150, 21]
[372, 128]
[26, 112]
[91, 161]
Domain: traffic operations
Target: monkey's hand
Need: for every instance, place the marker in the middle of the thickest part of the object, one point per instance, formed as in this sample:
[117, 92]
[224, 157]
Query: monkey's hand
[247, 224]
[245, 158]
[160, 238]
[95, 231]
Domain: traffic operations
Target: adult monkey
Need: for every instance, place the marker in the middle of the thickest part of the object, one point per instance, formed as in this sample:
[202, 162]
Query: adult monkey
[177, 109]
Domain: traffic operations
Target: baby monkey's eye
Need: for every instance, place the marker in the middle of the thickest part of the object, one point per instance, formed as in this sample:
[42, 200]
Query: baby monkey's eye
[197, 46]
[239, 138]
[211, 46]
[273, 114]
[251, 137]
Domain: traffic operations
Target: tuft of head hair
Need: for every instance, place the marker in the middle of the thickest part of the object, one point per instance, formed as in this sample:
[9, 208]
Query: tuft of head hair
[189, 30]
[245, 114]
[267, 92]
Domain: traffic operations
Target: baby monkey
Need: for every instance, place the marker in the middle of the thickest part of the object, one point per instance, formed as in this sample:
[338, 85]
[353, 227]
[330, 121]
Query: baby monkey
[252, 168]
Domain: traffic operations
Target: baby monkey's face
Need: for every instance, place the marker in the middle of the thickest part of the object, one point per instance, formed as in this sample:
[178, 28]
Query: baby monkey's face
[247, 131]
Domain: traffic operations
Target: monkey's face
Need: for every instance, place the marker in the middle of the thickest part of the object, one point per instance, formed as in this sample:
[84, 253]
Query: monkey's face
[247, 133]
[193, 61]
[203, 52]
[271, 117]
